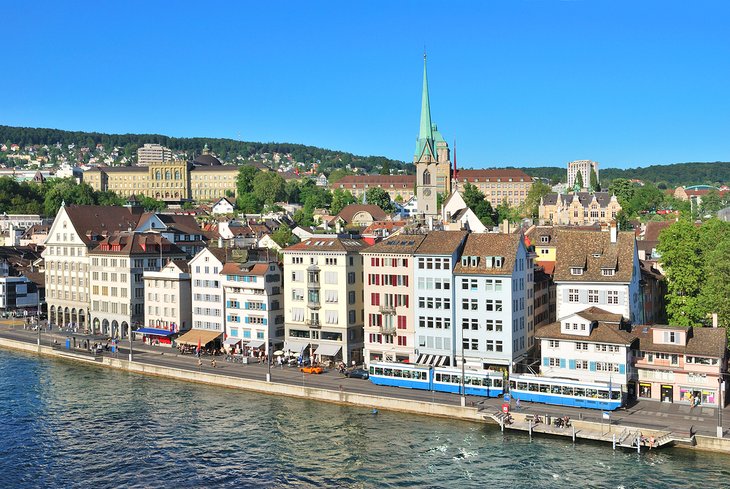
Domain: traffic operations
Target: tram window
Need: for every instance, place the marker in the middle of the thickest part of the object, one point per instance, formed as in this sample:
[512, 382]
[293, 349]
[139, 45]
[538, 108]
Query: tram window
[438, 377]
[496, 382]
[591, 393]
[419, 375]
[388, 372]
[372, 370]
[378, 371]
[521, 386]
[406, 374]
[615, 395]
[511, 384]
[397, 373]
[567, 391]
[579, 392]
[555, 389]
[446, 378]
[602, 394]
[533, 387]
[544, 388]
[468, 380]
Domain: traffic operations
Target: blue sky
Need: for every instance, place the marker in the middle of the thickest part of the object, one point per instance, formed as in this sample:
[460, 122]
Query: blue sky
[521, 82]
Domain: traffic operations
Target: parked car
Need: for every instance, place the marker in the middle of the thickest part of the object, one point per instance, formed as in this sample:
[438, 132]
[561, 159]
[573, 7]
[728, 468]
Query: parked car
[357, 373]
[312, 370]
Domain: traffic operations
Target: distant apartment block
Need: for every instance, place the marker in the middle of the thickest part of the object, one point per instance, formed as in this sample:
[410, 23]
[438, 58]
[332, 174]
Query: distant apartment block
[583, 167]
[153, 153]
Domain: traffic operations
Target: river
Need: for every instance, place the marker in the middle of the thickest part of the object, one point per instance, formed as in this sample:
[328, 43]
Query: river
[64, 424]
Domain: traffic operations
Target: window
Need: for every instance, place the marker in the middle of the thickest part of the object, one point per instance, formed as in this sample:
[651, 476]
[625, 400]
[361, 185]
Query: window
[573, 295]
[592, 296]
[608, 272]
[554, 362]
[576, 271]
[581, 346]
[554, 343]
[581, 364]
[671, 337]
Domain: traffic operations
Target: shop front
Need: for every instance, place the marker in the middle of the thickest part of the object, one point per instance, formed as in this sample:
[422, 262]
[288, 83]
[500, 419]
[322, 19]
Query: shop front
[667, 393]
[698, 395]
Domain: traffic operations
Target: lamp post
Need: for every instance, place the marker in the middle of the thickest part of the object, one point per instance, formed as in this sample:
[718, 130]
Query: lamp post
[130, 341]
[721, 387]
[268, 355]
[463, 372]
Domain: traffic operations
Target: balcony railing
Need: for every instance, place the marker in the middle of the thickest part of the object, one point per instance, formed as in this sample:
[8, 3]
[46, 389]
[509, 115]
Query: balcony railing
[387, 309]
[387, 329]
[313, 305]
[313, 323]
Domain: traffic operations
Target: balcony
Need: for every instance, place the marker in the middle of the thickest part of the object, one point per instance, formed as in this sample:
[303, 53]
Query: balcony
[313, 285]
[313, 304]
[313, 323]
[387, 330]
[387, 309]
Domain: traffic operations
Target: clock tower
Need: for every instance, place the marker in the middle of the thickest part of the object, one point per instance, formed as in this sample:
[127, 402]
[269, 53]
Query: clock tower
[433, 165]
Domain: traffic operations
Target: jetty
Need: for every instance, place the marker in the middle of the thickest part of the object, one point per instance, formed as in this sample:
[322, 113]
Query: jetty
[625, 437]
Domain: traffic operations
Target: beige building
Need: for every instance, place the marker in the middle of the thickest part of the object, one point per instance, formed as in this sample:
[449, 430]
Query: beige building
[153, 153]
[167, 300]
[390, 332]
[203, 179]
[75, 231]
[395, 185]
[579, 208]
[498, 185]
[583, 167]
[323, 291]
[117, 286]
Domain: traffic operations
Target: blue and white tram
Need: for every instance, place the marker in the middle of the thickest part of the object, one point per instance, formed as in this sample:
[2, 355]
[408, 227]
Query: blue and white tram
[565, 392]
[440, 379]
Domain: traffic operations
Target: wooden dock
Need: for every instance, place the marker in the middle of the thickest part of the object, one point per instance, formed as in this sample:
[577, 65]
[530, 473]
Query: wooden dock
[618, 436]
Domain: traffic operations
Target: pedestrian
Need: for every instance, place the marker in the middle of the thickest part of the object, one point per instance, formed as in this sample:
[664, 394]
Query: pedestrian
[200, 363]
[517, 403]
[212, 363]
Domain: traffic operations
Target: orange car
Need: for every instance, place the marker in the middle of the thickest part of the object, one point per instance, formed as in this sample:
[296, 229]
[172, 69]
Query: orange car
[311, 370]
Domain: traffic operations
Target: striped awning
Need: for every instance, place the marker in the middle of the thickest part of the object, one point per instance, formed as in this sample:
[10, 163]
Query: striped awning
[431, 360]
[195, 336]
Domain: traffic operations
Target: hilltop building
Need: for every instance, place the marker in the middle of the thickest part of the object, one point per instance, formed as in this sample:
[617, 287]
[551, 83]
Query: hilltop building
[579, 208]
[583, 167]
[153, 153]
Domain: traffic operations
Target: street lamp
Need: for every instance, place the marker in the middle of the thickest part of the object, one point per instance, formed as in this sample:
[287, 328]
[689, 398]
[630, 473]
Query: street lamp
[463, 372]
[268, 354]
[130, 342]
[721, 387]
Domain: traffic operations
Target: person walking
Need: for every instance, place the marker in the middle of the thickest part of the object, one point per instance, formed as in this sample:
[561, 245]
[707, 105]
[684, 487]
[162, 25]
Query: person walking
[200, 363]
[212, 363]
[517, 404]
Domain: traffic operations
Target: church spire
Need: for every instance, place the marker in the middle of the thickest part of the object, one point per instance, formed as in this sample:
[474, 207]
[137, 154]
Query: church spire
[426, 131]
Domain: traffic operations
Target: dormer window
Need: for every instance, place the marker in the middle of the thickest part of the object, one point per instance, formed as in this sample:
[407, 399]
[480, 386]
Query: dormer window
[671, 337]
[497, 262]
[576, 271]
[544, 239]
[464, 261]
[474, 260]
[608, 272]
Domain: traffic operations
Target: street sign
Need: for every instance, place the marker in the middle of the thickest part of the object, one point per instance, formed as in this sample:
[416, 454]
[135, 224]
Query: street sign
[506, 398]
[606, 415]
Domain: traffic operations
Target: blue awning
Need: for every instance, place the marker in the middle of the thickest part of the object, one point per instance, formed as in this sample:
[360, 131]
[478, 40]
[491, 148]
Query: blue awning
[154, 331]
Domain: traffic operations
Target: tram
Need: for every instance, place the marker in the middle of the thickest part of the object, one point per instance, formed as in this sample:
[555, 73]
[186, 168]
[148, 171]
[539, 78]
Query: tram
[565, 392]
[440, 379]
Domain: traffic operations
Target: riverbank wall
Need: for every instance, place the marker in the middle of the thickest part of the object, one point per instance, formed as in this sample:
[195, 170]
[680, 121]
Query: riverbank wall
[471, 414]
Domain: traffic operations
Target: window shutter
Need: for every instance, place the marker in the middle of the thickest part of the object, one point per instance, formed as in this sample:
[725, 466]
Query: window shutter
[545, 362]
[571, 364]
[562, 363]
[592, 366]
[622, 369]
[602, 297]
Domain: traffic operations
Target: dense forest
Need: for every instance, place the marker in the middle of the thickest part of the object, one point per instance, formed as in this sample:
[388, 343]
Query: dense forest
[224, 149]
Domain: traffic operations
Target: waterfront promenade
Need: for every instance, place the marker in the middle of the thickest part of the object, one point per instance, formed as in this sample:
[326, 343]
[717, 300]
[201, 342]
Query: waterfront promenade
[646, 415]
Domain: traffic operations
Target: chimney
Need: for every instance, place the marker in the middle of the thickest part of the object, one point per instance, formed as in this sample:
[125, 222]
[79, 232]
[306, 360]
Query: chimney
[614, 231]
[714, 320]
[430, 223]
[338, 227]
[220, 242]
[505, 226]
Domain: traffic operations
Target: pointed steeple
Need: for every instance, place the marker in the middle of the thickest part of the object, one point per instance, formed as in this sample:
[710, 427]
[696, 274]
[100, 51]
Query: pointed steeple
[426, 131]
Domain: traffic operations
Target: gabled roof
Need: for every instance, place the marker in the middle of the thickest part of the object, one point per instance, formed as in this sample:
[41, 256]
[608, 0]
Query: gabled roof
[385, 181]
[133, 243]
[441, 242]
[232, 268]
[328, 244]
[606, 328]
[493, 175]
[711, 342]
[488, 244]
[349, 211]
[593, 251]
[98, 221]
[400, 244]
[653, 228]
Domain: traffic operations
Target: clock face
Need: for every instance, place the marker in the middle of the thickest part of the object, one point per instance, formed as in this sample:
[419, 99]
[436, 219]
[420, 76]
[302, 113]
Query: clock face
[427, 192]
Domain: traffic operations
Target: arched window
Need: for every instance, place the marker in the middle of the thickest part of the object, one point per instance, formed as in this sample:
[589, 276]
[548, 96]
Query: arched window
[427, 177]
[168, 175]
[158, 175]
[177, 174]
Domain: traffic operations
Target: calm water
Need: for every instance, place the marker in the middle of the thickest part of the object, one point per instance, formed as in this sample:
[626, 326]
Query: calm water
[68, 425]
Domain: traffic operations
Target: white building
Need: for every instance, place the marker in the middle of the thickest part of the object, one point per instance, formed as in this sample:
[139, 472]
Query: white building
[207, 291]
[254, 301]
[456, 215]
[494, 298]
[223, 206]
[592, 345]
[19, 221]
[583, 167]
[167, 301]
[17, 293]
[153, 153]
[435, 298]
[323, 287]
[118, 263]
[598, 269]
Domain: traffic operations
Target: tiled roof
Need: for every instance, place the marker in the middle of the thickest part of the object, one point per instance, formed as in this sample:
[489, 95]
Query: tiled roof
[503, 174]
[385, 181]
[601, 332]
[711, 342]
[132, 243]
[441, 242]
[653, 228]
[488, 244]
[593, 251]
[402, 243]
[232, 268]
[349, 211]
[585, 198]
[597, 314]
[325, 244]
[97, 220]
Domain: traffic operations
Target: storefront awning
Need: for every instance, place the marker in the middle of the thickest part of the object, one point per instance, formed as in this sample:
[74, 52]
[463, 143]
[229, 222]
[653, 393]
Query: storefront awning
[327, 350]
[232, 341]
[255, 343]
[154, 331]
[202, 336]
[432, 360]
[295, 346]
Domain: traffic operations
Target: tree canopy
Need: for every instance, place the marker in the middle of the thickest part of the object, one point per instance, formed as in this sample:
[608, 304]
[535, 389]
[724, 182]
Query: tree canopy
[379, 197]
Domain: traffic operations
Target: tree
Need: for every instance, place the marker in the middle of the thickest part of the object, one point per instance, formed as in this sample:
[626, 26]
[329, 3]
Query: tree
[623, 189]
[68, 191]
[716, 289]
[340, 199]
[476, 201]
[531, 206]
[595, 185]
[151, 204]
[268, 187]
[379, 197]
[385, 169]
[248, 204]
[283, 236]
[711, 203]
[579, 180]
[244, 180]
[337, 175]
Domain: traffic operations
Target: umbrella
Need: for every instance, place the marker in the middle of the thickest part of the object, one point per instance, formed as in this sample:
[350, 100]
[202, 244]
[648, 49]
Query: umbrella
[278, 353]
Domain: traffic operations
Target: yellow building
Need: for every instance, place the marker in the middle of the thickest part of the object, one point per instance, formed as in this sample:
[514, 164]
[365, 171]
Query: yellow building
[203, 179]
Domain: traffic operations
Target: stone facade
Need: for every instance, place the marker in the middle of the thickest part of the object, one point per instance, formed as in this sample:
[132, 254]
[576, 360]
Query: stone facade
[578, 209]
